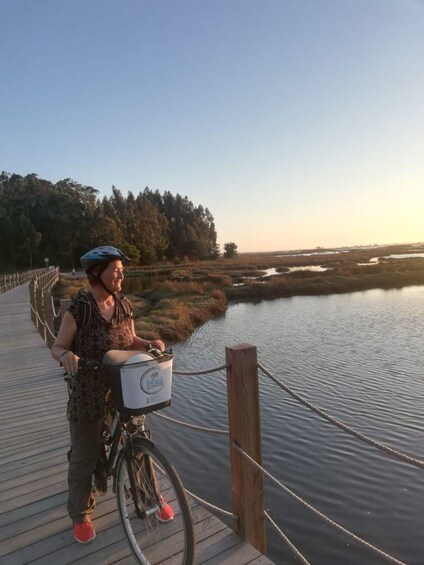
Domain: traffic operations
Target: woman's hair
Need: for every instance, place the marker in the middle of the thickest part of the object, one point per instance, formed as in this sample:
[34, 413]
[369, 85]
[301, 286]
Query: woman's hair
[94, 273]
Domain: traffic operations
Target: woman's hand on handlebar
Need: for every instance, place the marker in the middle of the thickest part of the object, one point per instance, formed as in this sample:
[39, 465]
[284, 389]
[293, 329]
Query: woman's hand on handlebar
[69, 362]
[156, 344]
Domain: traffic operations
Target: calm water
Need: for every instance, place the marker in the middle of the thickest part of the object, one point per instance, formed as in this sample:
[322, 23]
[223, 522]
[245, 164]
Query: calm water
[360, 357]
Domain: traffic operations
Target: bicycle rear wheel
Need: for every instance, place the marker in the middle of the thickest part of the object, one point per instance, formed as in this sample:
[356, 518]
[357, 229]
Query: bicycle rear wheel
[150, 540]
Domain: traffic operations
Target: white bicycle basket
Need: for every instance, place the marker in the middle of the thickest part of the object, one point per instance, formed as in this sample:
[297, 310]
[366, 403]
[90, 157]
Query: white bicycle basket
[140, 382]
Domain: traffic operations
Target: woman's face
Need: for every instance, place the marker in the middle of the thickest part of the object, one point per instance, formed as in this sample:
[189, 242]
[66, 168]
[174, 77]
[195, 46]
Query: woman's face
[113, 276]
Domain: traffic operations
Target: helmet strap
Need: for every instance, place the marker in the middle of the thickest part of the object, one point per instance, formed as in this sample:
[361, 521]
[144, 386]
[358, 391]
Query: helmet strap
[98, 278]
[105, 287]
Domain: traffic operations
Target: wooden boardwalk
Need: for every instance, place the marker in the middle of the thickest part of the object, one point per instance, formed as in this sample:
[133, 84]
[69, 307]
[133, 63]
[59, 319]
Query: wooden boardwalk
[34, 526]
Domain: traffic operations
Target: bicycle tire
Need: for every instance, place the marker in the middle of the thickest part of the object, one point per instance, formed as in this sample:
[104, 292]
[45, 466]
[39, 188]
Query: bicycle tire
[150, 540]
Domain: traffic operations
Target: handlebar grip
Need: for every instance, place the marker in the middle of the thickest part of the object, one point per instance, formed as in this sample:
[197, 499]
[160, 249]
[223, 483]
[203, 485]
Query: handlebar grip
[89, 363]
[83, 364]
[156, 351]
[153, 350]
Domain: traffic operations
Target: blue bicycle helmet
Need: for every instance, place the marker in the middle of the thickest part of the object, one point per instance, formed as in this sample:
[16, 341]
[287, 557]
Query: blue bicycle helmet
[101, 256]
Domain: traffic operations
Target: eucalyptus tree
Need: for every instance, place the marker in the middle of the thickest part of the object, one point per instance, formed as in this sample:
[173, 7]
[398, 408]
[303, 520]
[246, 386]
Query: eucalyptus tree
[40, 219]
[152, 237]
[19, 237]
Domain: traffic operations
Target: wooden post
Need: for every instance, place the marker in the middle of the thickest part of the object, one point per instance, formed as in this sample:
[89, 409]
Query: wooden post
[244, 424]
[32, 286]
[49, 317]
[40, 310]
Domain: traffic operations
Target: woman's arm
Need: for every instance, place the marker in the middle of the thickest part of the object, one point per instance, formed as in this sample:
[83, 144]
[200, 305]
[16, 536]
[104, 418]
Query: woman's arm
[61, 347]
[140, 344]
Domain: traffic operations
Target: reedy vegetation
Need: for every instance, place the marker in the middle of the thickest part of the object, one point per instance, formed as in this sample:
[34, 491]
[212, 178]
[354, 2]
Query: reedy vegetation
[186, 296]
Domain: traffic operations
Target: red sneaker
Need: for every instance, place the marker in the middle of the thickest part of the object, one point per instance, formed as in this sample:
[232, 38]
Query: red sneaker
[84, 533]
[165, 514]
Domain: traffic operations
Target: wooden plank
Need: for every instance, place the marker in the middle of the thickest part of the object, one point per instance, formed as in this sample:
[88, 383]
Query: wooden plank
[33, 509]
[55, 458]
[27, 462]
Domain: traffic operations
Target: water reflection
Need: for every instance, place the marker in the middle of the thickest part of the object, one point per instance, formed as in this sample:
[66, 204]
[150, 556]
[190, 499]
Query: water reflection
[134, 284]
[314, 268]
[399, 256]
[313, 253]
[359, 357]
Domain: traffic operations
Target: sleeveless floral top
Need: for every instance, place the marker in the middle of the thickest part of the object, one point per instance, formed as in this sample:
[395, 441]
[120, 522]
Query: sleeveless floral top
[96, 336]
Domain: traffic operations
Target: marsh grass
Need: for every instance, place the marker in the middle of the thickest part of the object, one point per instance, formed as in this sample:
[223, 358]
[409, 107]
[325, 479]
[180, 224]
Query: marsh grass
[187, 295]
[172, 310]
[68, 288]
[178, 307]
[396, 274]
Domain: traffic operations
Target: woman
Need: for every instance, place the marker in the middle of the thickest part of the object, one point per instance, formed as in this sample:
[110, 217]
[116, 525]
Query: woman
[97, 320]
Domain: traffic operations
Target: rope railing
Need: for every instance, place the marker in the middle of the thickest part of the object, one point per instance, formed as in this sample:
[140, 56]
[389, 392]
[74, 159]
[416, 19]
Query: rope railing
[211, 507]
[379, 445]
[196, 427]
[195, 497]
[203, 372]
[43, 323]
[289, 543]
[42, 310]
[10, 281]
[55, 314]
[385, 448]
[328, 520]
[187, 424]
[192, 426]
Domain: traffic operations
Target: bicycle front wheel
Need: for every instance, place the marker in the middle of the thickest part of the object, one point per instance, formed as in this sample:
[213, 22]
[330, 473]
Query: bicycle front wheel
[151, 539]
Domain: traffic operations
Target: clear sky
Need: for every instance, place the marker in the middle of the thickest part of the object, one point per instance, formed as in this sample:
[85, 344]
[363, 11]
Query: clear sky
[297, 123]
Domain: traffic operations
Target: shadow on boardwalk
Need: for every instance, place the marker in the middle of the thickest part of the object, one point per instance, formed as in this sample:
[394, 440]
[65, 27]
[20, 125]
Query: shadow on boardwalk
[34, 526]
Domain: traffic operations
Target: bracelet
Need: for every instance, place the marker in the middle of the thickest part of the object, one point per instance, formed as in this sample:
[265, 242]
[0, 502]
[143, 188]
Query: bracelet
[64, 353]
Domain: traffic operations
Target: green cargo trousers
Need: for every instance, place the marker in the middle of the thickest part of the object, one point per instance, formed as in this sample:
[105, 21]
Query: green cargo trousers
[86, 446]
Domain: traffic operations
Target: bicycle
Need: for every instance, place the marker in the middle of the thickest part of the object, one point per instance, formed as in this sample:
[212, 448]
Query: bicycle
[143, 478]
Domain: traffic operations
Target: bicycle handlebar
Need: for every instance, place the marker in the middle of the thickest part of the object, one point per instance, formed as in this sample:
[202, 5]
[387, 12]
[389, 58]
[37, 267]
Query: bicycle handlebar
[96, 363]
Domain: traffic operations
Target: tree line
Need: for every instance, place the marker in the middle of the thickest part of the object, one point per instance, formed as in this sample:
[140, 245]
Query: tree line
[40, 219]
